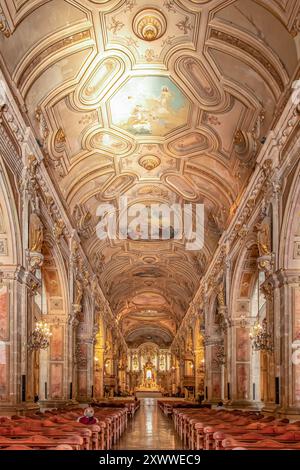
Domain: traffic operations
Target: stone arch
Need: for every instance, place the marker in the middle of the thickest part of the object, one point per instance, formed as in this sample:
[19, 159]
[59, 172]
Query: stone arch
[289, 243]
[246, 374]
[10, 236]
[289, 259]
[51, 305]
[12, 317]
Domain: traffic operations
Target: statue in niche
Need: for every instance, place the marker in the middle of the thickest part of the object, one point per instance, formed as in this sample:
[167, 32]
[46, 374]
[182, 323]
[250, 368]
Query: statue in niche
[36, 237]
[264, 238]
[78, 292]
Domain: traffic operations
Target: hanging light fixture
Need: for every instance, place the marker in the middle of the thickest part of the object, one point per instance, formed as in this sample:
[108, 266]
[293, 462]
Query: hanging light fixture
[40, 336]
[260, 337]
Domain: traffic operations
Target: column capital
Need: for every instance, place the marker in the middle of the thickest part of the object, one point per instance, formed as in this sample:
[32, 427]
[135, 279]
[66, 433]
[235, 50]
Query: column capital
[12, 272]
[287, 277]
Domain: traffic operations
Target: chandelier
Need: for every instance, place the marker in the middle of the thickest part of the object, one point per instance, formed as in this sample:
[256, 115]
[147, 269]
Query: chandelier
[261, 339]
[40, 337]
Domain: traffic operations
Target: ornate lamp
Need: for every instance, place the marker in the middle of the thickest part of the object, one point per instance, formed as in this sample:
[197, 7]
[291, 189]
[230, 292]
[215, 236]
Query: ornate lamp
[261, 339]
[40, 337]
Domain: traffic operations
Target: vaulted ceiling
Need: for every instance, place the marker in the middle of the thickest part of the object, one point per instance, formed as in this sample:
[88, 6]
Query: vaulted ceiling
[178, 118]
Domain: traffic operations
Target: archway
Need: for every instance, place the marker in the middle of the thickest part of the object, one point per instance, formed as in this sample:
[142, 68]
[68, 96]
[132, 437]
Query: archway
[12, 318]
[289, 260]
[53, 364]
[248, 366]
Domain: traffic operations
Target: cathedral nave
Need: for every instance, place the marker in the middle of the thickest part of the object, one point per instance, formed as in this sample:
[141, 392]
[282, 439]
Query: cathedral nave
[149, 224]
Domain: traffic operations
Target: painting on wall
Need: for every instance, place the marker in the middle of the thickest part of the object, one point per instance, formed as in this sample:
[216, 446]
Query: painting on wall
[52, 283]
[151, 106]
[246, 284]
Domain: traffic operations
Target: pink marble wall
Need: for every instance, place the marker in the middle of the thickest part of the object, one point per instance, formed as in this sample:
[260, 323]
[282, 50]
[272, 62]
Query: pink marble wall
[56, 380]
[242, 381]
[57, 343]
[242, 345]
[82, 383]
[4, 317]
[216, 385]
[4, 348]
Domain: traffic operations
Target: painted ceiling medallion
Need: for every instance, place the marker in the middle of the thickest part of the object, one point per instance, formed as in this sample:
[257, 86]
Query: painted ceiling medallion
[149, 24]
[149, 162]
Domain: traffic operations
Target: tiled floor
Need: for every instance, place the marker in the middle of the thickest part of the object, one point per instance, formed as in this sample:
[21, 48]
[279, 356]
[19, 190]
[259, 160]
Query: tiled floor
[150, 429]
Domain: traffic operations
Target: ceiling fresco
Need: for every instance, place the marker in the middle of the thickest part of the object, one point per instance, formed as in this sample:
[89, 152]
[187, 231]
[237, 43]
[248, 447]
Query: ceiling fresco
[167, 101]
[151, 106]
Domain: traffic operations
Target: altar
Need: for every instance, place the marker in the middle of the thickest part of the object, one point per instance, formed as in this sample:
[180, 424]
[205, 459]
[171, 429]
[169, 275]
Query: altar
[149, 394]
[148, 386]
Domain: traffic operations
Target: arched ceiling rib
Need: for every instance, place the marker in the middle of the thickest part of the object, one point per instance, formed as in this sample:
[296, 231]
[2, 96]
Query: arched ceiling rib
[209, 90]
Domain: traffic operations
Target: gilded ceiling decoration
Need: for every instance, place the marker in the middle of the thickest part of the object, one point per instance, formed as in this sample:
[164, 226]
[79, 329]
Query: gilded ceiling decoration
[148, 24]
[167, 102]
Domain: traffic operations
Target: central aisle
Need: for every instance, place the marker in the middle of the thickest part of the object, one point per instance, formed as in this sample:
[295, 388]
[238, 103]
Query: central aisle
[150, 429]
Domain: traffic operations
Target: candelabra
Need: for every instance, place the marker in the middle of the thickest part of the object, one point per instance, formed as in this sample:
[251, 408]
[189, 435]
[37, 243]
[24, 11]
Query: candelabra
[40, 337]
[261, 339]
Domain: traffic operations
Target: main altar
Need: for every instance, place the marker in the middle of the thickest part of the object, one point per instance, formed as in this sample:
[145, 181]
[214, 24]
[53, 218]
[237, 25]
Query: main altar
[148, 382]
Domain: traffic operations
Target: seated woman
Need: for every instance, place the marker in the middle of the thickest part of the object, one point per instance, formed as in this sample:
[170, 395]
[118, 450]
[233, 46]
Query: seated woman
[88, 417]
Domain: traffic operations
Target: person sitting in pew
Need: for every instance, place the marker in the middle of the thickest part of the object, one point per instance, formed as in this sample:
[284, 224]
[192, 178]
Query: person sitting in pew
[88, 417]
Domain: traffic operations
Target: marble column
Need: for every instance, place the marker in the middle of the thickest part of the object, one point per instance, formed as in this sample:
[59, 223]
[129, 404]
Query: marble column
[289, 286]
[16, 291]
